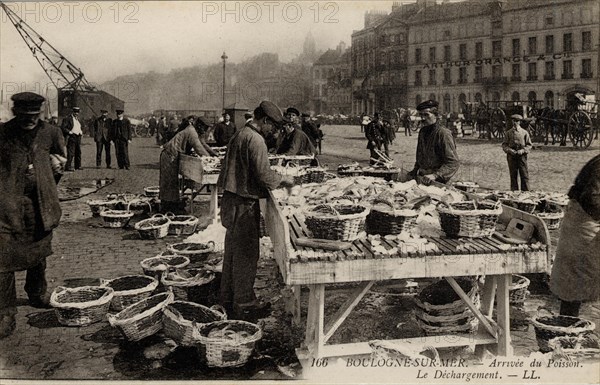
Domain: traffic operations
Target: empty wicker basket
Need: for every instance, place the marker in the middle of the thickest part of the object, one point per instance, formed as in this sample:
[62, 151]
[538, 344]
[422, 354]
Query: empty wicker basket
[182, 224]
[155, 266]
[469, 219]
[228, 343]
[196, 252]
[549, 327]
[181, 320]
[82, 305]
[141, 319]
[153, 228]
[336, 222]
[129, 289]
[576, 347]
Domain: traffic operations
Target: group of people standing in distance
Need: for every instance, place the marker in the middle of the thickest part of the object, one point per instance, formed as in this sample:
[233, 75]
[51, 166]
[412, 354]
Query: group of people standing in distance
[105, 131]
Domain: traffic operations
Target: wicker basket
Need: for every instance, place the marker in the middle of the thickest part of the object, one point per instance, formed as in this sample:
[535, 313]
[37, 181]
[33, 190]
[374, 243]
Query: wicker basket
[576, 348]
[152, 191]
[155, 266]
[354, 172]
[196, 252]
[99, 205]
[387, 174]
[385, 221]
[129, 289]
[440, 310]
[524, 205]
[182, 281]
[300, 160]
[182, 224]
[153, 228]
[315, 175]
[339, 222]
[116, 218]
[222, 351]
[552, 220]
[82, 305]
[469, 187]
[469, 219]
[549, 327]
[518, 290]
[181, 320]
[139, 206]
[141, 319]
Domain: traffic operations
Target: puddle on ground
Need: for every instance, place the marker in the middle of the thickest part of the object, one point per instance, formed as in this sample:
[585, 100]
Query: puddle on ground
[74, 189]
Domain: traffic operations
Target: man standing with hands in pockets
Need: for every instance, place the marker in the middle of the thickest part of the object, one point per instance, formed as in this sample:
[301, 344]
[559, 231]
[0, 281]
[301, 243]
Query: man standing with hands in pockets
[516, 145]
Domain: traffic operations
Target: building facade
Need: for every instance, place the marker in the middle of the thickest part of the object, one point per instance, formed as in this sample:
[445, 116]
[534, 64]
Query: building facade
[331, 83]
[476, 50]
[503, 50]
[379, 63]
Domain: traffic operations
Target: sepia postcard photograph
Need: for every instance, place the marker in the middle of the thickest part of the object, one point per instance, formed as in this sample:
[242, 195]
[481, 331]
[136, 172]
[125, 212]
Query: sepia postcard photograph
[313, 191]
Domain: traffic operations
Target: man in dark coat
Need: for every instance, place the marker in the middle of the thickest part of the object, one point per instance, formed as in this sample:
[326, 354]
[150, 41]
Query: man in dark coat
[152, 126]
[72, 129]
[121, 134]
[310, 129]
[437, 159]
[29, 206]
[295, 142]
[102, 137]
[374, 133]
[224, 130]
[246, 177]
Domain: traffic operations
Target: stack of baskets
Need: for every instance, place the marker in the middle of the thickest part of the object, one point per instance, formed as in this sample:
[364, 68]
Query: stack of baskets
[82, 305]
[226, 343]
[153, 228]
[187, 284]
[439, 310]
[336, 222]
[196, 252]
[181, 320]
[469, 219]
[549, 327]
[156, 266]
[182, 224]
[521, 201]
[129, 289]
[384, 218]
[552, 220]
[576, 347]
[141, 319]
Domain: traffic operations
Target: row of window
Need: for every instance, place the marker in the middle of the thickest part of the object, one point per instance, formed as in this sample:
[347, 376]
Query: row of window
[532, 73]
[532, 48]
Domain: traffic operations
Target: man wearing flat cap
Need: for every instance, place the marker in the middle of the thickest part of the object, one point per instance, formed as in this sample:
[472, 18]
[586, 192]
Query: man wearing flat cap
[31, 159]
[102, 137]
[516, 145]
[246, 177]
[224, 131]
[121, 134]
[71, 128]
[437, 159]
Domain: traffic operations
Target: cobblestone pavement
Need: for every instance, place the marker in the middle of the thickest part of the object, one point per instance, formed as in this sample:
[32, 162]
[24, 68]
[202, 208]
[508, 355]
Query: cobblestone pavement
[84, 251]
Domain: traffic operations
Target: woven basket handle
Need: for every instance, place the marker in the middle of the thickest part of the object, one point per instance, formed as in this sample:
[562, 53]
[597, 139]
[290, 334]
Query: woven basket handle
[436, 354]
[211, 244]
[219, 309]
[328, 207]
[104, 282]
[159, 216]
[170, 215]
[138, 201]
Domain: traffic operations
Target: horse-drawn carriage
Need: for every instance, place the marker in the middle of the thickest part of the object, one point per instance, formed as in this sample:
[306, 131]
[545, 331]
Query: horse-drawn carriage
[493, 119]
[579, 122]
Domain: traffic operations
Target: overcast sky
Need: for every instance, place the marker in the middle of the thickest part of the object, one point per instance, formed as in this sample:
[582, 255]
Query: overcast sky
[107, 39]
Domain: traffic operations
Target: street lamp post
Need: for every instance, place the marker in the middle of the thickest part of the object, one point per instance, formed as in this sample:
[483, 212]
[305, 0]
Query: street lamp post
[224, 58]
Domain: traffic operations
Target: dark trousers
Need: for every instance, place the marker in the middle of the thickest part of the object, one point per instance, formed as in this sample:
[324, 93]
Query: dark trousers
[570, 308]
[73, 151]
[102, 145]
[517, 167]
[35, 286]
[122, 153]
[241, 217]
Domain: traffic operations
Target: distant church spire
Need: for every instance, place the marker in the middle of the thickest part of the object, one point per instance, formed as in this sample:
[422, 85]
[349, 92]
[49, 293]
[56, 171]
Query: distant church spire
[310, 46]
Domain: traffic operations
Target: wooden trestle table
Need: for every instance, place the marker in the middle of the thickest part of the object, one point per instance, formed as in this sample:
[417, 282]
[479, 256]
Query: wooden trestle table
[455, 258]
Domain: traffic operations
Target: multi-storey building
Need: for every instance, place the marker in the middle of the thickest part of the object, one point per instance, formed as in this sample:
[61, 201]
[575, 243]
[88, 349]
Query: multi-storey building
[485, 50]
[378, 63]
[331, 83]
[503, 50]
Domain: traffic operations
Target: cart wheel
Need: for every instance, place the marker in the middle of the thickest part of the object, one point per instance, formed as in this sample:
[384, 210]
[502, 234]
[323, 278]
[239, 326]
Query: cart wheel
[497, 123]
[580, 129]
[560, 126]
